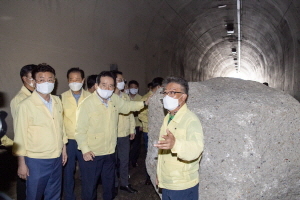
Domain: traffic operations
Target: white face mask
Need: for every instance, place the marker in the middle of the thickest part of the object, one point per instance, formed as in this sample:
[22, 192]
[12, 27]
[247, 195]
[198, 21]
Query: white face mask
[104, 94]
[170, 103]
[121, 85]
[45, 88]
[75, 86]
[30, 83]
[133, 90]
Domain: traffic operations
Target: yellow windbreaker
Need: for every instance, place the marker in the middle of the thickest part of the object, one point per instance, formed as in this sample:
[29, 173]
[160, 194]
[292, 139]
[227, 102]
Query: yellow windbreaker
[6, 141]
[22, 94]
[97, 125]
[39, 133]
[70, 106]
[137, 97]
[177, 169]
[143, 116]
[126, 124]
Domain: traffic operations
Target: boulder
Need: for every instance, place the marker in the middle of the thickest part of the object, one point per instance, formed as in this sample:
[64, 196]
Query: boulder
[251, 135]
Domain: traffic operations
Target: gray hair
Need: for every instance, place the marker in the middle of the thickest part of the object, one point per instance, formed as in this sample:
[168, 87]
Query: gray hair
[181, 81]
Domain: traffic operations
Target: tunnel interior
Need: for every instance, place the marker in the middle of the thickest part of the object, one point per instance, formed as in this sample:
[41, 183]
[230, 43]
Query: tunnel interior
[194, 39]
[202, 39]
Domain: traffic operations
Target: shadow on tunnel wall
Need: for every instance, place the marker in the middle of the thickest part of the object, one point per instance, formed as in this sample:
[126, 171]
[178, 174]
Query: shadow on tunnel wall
[3, 100]
[8, 162]
[54, 92]
[8, 168]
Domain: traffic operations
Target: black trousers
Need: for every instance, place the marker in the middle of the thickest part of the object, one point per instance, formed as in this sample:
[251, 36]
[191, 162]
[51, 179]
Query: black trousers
[91, 171]
[136, 146]
[21, 189]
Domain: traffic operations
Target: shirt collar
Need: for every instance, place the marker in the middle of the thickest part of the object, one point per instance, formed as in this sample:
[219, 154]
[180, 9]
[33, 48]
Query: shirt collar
[179, 113]
[121, 94]
[106, 104]
[76, 94]
[44, 101]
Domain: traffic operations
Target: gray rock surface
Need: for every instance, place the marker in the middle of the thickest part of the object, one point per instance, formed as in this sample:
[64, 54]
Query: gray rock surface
[252, 140]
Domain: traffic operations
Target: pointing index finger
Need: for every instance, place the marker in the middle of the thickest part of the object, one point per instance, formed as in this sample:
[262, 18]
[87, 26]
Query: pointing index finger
[168, 132]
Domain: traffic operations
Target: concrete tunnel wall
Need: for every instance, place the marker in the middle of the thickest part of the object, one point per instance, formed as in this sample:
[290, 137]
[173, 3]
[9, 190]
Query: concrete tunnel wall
[149, 38]
[201, 49]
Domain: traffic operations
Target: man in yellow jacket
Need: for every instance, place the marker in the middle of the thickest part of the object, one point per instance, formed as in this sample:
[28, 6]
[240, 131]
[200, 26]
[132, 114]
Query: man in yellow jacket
[126, 127]
[90, 82]
[96, 135]
[40, 138]
[26, 90]
[70, 101]
[180, 145]
[133, 86]
[143, 116]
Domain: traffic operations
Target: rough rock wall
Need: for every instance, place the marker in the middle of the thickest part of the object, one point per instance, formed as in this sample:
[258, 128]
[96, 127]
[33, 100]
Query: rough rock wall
[252, 140]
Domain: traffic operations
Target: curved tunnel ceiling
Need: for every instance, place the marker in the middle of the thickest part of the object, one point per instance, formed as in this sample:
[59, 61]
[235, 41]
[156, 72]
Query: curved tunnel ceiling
[203, 48]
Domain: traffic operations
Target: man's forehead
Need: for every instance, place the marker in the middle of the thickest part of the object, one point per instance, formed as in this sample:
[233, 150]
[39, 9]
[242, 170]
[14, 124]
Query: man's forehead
[172, 86]
[133, 85]
[106, 79]
[45, 74]
[75, 74]
[119, 76]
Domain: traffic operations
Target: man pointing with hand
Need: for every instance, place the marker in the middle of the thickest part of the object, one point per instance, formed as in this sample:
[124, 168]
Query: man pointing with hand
[180, 145]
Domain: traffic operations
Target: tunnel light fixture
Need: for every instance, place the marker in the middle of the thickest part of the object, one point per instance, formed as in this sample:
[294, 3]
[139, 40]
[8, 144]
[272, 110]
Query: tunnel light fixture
[222, 6]
[233, 50]
[230, 28]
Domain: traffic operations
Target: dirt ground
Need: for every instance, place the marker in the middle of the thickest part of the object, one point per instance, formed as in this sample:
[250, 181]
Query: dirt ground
[8, 167]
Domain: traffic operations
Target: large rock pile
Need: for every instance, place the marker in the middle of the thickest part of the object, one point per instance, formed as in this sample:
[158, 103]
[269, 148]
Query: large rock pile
[252, 140]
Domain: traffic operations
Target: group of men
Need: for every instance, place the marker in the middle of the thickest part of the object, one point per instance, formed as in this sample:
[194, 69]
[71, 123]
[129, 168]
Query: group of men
[95, 128]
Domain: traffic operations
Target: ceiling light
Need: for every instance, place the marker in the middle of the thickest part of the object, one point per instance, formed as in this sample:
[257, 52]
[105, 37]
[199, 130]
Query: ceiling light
[222, 6]
[233, 50]
[230, 28]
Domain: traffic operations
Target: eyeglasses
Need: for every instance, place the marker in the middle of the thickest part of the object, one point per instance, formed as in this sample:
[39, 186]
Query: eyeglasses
[170, 93]
[43, 81]
[103, 86]
[119, 80]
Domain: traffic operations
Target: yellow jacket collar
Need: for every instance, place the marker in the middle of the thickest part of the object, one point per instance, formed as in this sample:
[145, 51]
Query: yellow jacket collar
[97, 99]
[71, 97]
[180, 113]
[37, 100]
[137, 96]
[70, 93]
[25, 90]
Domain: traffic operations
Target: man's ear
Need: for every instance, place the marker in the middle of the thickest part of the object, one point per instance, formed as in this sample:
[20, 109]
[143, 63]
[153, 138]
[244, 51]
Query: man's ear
[184, 97]
[23, 78]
